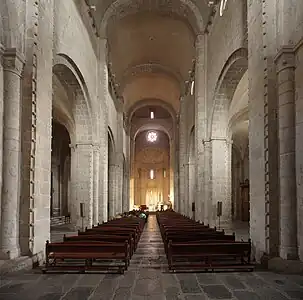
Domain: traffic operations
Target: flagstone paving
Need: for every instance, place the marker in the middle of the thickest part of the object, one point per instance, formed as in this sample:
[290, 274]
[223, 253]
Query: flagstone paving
[147, 278]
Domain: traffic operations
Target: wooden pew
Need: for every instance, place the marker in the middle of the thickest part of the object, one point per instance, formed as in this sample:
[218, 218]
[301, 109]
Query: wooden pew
[209, 256]
[190, 245]
[86, 256]
[102, 238]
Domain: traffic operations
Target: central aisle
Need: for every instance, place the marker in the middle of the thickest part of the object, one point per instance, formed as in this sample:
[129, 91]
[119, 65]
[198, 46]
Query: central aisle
[147, 279]
[150, 252]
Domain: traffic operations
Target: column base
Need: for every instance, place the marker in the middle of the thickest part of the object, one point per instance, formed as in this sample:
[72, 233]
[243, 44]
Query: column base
[289, 253]
[8, 255]
[281, 265]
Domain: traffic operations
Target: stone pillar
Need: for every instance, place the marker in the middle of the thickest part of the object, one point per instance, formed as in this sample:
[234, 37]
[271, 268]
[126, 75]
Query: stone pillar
[119, 186]
[191, 188]
[200, 121]
[187, 210]
[285, 61]
[103, 178]
[103, 130]
[82, 184]
[174, 175]
[221, 181]
[207, 205]
[126, 180]
[132, 174]
[182, 156]
[13, 64]
[96, 168]
[55, 188]
[111, 190]
[1, 122]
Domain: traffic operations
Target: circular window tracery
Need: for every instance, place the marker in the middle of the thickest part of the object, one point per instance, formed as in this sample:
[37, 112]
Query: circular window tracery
[152, 136]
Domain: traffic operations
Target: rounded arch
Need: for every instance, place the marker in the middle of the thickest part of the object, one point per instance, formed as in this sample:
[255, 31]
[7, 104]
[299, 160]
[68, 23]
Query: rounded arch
[72, 80]
[240, 116]
[121, 8]
[151, 127]
[151, 102]
[231, 74]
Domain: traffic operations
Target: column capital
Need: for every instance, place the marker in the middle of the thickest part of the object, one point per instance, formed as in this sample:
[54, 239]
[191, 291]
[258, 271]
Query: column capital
[13, 61]
[285, 58]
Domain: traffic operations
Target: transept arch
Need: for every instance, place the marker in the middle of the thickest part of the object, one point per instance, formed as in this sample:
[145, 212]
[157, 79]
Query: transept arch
[151, 102]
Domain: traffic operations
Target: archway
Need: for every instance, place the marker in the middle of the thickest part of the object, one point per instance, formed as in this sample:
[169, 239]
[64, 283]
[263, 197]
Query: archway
[112, 184]
[220, 140]
[60, 175]
[152, 169]
[71, 107]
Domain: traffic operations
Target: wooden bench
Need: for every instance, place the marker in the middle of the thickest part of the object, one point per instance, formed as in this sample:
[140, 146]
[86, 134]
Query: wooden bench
[86, 256]
[209, 256]
[102, 238]
[114, 231]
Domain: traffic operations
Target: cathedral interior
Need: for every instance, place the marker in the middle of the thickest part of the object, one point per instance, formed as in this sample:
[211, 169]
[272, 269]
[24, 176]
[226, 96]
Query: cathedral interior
[194, 106]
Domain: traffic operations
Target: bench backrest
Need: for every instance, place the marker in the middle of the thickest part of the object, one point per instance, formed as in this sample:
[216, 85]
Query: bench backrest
[95, 237]
[86, 247]
[202, 237]
[240, 248]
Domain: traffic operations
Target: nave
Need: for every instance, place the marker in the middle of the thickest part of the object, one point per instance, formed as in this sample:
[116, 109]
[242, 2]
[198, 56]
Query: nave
[147, 278]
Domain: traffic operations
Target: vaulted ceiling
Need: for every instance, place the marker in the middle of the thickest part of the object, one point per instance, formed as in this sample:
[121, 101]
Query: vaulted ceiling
[151, 45]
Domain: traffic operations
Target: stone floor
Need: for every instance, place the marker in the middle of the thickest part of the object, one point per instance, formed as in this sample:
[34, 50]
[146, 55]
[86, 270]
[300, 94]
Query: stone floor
[147, 278]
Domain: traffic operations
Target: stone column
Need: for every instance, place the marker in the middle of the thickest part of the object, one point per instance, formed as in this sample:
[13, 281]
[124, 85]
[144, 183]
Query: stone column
[111, 190]
[119, 186]
[191, 188]
[126, 180]
[182, 155]
[103, 129]
[55, 188]
[103, 178]
[221, 181]
[200, 121]
[13, 64]
[1, 122]
[207, 185]
[285, 61]
[187, 210]
[96, 168]
[82, 184]
[174, 175]
[132, 174]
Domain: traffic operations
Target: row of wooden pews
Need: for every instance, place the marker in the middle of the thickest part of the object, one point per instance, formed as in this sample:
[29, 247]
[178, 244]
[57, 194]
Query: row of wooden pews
[108, 246]
[191, 246]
